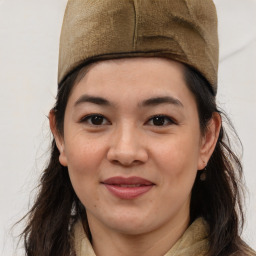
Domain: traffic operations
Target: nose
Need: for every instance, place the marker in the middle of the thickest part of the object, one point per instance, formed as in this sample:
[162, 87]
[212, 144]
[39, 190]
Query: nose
[127, 147]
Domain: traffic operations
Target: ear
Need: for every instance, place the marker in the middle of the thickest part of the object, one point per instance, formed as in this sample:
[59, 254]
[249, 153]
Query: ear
[58, 138]
[209, 140]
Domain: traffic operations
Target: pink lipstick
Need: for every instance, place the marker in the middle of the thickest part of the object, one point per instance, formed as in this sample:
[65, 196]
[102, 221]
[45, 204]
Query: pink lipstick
[127, 188]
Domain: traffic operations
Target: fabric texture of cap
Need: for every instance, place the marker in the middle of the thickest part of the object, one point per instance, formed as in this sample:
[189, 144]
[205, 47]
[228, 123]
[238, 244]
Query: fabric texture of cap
[182, 30]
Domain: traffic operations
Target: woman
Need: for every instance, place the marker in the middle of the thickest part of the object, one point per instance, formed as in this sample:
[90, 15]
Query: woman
[139, 164]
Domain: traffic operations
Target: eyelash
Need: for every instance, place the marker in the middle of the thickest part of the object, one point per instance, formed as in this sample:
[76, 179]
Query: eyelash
[88, 118]
[170, 121]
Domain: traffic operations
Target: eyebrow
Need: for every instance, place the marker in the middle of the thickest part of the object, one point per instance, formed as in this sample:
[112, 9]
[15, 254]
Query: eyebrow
[161, 100]
[148, 102]
[92, 99]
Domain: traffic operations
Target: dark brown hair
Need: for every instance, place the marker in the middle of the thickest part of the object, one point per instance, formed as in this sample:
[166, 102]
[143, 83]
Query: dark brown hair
[217, 199]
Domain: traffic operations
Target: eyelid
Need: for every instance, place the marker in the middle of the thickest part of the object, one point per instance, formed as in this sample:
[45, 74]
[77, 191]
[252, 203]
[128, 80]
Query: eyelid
[171, 120]
[87, 117]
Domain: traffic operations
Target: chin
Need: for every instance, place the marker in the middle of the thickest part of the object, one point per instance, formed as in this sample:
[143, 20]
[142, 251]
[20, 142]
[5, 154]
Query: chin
[129, 224]
[131, 228]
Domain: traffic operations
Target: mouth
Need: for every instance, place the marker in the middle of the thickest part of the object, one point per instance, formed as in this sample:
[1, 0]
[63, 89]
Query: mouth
[127, 188]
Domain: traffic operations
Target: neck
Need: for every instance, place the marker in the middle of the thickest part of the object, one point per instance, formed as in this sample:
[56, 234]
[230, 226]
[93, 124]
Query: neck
[157, 242]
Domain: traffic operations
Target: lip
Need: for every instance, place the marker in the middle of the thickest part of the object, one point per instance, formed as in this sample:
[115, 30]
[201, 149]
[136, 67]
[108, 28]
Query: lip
[127, 187]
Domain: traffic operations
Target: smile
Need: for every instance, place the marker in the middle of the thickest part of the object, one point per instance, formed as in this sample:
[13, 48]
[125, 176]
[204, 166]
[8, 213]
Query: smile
[127, 188]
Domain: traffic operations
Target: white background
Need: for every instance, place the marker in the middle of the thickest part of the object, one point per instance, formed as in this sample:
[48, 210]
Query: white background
[29, 34]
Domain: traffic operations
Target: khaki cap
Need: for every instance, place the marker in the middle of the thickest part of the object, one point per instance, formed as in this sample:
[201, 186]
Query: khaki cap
[182, 30]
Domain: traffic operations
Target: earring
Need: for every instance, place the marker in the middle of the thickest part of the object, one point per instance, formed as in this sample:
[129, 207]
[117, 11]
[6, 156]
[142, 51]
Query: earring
[203, 174]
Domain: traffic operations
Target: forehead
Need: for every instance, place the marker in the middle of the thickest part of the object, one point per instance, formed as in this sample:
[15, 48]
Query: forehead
[134, 79]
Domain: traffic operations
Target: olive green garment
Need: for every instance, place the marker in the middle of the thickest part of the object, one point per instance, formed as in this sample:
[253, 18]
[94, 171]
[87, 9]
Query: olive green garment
[193, 242]
[181, 30]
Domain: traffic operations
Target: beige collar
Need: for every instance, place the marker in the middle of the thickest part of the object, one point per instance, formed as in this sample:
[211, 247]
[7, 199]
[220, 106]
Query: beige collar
[193, 242]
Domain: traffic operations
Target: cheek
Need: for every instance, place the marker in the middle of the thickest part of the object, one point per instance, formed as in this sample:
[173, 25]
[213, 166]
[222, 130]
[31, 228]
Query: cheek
[84, 160]
[84, 154]
[177, 158]
[84, 157]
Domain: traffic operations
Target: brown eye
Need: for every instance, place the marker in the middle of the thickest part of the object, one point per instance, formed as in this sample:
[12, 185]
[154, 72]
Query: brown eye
[95, 120]
[158, 120]
[161, 120]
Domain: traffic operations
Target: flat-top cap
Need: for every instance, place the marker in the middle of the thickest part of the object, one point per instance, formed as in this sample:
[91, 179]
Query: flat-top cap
[182, 30]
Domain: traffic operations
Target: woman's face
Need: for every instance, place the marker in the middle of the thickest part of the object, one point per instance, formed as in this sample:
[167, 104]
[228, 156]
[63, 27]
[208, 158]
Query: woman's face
[132, 144]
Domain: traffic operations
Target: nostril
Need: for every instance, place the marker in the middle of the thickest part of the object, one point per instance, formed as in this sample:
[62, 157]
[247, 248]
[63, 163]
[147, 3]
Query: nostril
[127, 156]
[126, 163]
[115, 162]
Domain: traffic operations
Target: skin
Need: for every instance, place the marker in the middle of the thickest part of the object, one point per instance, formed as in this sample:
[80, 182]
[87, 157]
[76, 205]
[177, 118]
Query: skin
[128, 143]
